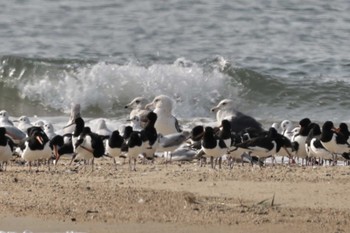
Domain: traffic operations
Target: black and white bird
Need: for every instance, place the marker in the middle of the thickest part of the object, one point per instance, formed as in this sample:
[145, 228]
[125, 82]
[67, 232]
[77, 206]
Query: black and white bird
[336, 143]
[36, 147]
[266, 145]
[6, 149]
[239, 121]
[138, 110]
[114, 145]
[88, 146]
[149, 136]
[298, 140]
[314, 147]
[135, 148]
[212, 146]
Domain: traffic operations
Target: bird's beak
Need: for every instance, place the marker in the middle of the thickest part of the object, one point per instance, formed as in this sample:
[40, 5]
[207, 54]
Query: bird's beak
[199, 136]
[215, 109]
[69, 125]
[55, 151]
[127, 106]
[149, 106]
[40, 140]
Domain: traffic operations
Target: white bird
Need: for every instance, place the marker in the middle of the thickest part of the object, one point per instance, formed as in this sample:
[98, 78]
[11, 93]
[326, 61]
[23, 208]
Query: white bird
[12, 131]
[102, 129]
[5, 119]
[49, 130]
[287, 129]
[239, 121]
[74, 114]
[138, 109]
[166, 122]
[23, 123]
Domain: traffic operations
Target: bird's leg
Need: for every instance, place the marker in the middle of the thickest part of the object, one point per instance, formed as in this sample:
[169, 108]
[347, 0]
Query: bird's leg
[73, 157]
[212, 162]
[115, 164]
[134, 164]
[220, 162]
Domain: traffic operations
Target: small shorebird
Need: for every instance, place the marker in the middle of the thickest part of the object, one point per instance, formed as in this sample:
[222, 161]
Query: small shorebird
[6, 149]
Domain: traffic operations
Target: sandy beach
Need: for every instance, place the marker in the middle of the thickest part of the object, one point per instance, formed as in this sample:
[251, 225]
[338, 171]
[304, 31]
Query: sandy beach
[176, 197]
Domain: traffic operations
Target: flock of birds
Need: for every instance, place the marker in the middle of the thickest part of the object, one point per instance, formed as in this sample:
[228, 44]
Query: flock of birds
[155, 132]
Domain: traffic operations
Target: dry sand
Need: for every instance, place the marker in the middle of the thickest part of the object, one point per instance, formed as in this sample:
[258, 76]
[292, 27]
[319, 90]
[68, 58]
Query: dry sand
[177, 197]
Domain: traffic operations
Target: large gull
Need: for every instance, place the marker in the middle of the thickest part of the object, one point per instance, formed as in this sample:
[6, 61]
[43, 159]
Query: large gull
[239, 121]
[166, 122]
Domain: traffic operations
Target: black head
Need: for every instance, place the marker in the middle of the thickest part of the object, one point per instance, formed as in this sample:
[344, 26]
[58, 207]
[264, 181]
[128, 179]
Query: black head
[197, 133]
[328, 126]
[152, 117]
[344, 128]
[304, 122]
[226, 124]
[127, 131]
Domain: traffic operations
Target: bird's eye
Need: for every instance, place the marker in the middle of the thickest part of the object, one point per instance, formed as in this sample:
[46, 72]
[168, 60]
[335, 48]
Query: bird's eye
[137, 101]
[223, 103]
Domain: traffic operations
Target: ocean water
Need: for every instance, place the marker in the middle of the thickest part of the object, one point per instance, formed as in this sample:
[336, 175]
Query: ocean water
[277, 59]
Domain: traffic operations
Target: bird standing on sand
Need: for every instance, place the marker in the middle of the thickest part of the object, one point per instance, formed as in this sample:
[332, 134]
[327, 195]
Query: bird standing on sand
[114, 145]
[239, 121]
[333, 141]
[12, 131]
[23, 123]
[166, 123]
[88, 146]
[6, 149]
[138, 109]
[212, 146]
[74, 114]
[36, 147]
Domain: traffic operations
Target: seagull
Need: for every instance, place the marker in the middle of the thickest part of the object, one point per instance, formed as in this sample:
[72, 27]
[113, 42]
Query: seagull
[23, 123]
[138, 109]
[12, 131]
[6, 148]
[5, 119]
[166, 123]
[287, 129]
[102, 129]
[49, 130]
[239, 121]
[75, 113]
